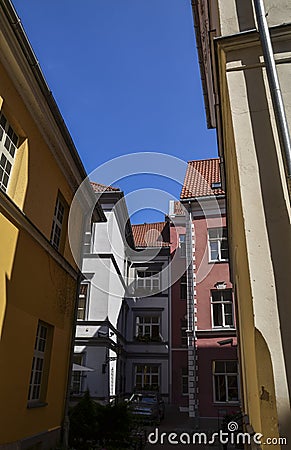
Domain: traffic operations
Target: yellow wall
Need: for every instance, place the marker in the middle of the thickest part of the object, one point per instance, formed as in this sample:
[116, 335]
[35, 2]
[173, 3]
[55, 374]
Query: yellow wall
[34, 283]
[258, 281]
[36, 177]
[35, 289]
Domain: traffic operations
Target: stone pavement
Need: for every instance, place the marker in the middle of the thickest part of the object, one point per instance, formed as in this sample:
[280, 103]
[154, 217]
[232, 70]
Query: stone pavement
[175, 422]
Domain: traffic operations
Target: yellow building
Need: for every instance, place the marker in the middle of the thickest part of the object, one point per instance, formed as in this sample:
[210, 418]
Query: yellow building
[240, 72]
[40, 171]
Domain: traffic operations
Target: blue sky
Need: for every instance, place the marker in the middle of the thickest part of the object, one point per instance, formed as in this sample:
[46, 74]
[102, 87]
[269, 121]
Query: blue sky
[126, 79]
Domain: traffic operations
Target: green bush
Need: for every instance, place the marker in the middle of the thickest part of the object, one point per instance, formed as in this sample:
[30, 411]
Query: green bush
[92, 424]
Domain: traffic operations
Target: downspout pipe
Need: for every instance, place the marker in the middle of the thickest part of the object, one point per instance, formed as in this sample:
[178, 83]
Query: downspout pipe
[190, 316]
[274, 85]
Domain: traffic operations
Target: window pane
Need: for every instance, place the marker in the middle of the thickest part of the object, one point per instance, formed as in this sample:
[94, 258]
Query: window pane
[231, 366]
[220, 388]
[224, 249]
[216, 296]
[232, 388]
[227, 295]
[213, 233]
[156, 283]
[214, 253]
[219, 367]
[217, 315]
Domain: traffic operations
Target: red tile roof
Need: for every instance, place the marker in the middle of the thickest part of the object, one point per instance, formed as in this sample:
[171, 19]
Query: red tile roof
[199, 178]
[98, 187]
[151, 234]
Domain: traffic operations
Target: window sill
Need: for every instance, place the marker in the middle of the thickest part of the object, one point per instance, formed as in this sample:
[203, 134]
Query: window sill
[36, 405]
[231, 403]
[217, 328]
[218, 261]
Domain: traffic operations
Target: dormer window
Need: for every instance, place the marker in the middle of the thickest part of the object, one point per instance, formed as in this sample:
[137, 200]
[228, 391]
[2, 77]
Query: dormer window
[216, 185]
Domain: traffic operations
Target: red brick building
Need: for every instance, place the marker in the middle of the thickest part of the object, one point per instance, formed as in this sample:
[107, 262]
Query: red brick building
[204, 363]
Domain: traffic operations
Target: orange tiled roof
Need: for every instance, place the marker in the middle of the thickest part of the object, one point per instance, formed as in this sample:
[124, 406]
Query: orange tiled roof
[98, 187]
[151, 234]
[199, 178]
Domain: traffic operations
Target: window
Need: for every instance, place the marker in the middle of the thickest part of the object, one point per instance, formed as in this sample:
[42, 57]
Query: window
[148, 328]
[225, 375]
[77, 377]
[39, 364]
[184, 380]
[8, 145]
[182, 245]
[184, 336]
[218, 246]
[216, 185]
[183, 287]
[147, 377]
[148, 280]
[58, 220]
[83, 296]
[222, 309]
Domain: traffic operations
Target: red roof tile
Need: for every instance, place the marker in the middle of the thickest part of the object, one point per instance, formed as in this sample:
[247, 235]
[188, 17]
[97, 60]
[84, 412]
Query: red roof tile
[98, 187]
[199, 178]
[151, 234]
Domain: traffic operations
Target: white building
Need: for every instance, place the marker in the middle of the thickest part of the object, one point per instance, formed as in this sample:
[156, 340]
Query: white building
[122, 331]
[98, 344]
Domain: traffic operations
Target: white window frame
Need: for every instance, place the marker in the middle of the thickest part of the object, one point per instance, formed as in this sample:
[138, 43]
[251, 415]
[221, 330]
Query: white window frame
[58, 222]
[38, 363]
[83, 298]
[147, 376]
[8, 146]
[182, 245]
[151, 281]
[219, 238]
[152, 321]
[226, 375]
[223, 302]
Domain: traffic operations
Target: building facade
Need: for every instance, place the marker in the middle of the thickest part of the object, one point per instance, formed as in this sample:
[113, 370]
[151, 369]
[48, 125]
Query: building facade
[244, 58]
[122, 332]
[39, 173]
[100, 338]
[148, 320]
[204, 365]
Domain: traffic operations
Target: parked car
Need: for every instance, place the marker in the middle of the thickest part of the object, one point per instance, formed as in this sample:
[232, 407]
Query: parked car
[147, 406]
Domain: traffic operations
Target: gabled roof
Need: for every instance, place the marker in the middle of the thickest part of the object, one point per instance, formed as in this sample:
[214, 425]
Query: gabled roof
[98, 187]
[151, 234]
[200, 176]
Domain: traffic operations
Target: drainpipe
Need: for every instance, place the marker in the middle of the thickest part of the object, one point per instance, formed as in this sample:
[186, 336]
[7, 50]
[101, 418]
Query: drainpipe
[192, 391]
[276, 95]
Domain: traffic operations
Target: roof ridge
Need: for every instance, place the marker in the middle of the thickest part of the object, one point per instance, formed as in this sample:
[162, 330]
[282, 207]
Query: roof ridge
[204, 159]
[107, 187]
[148, 223]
